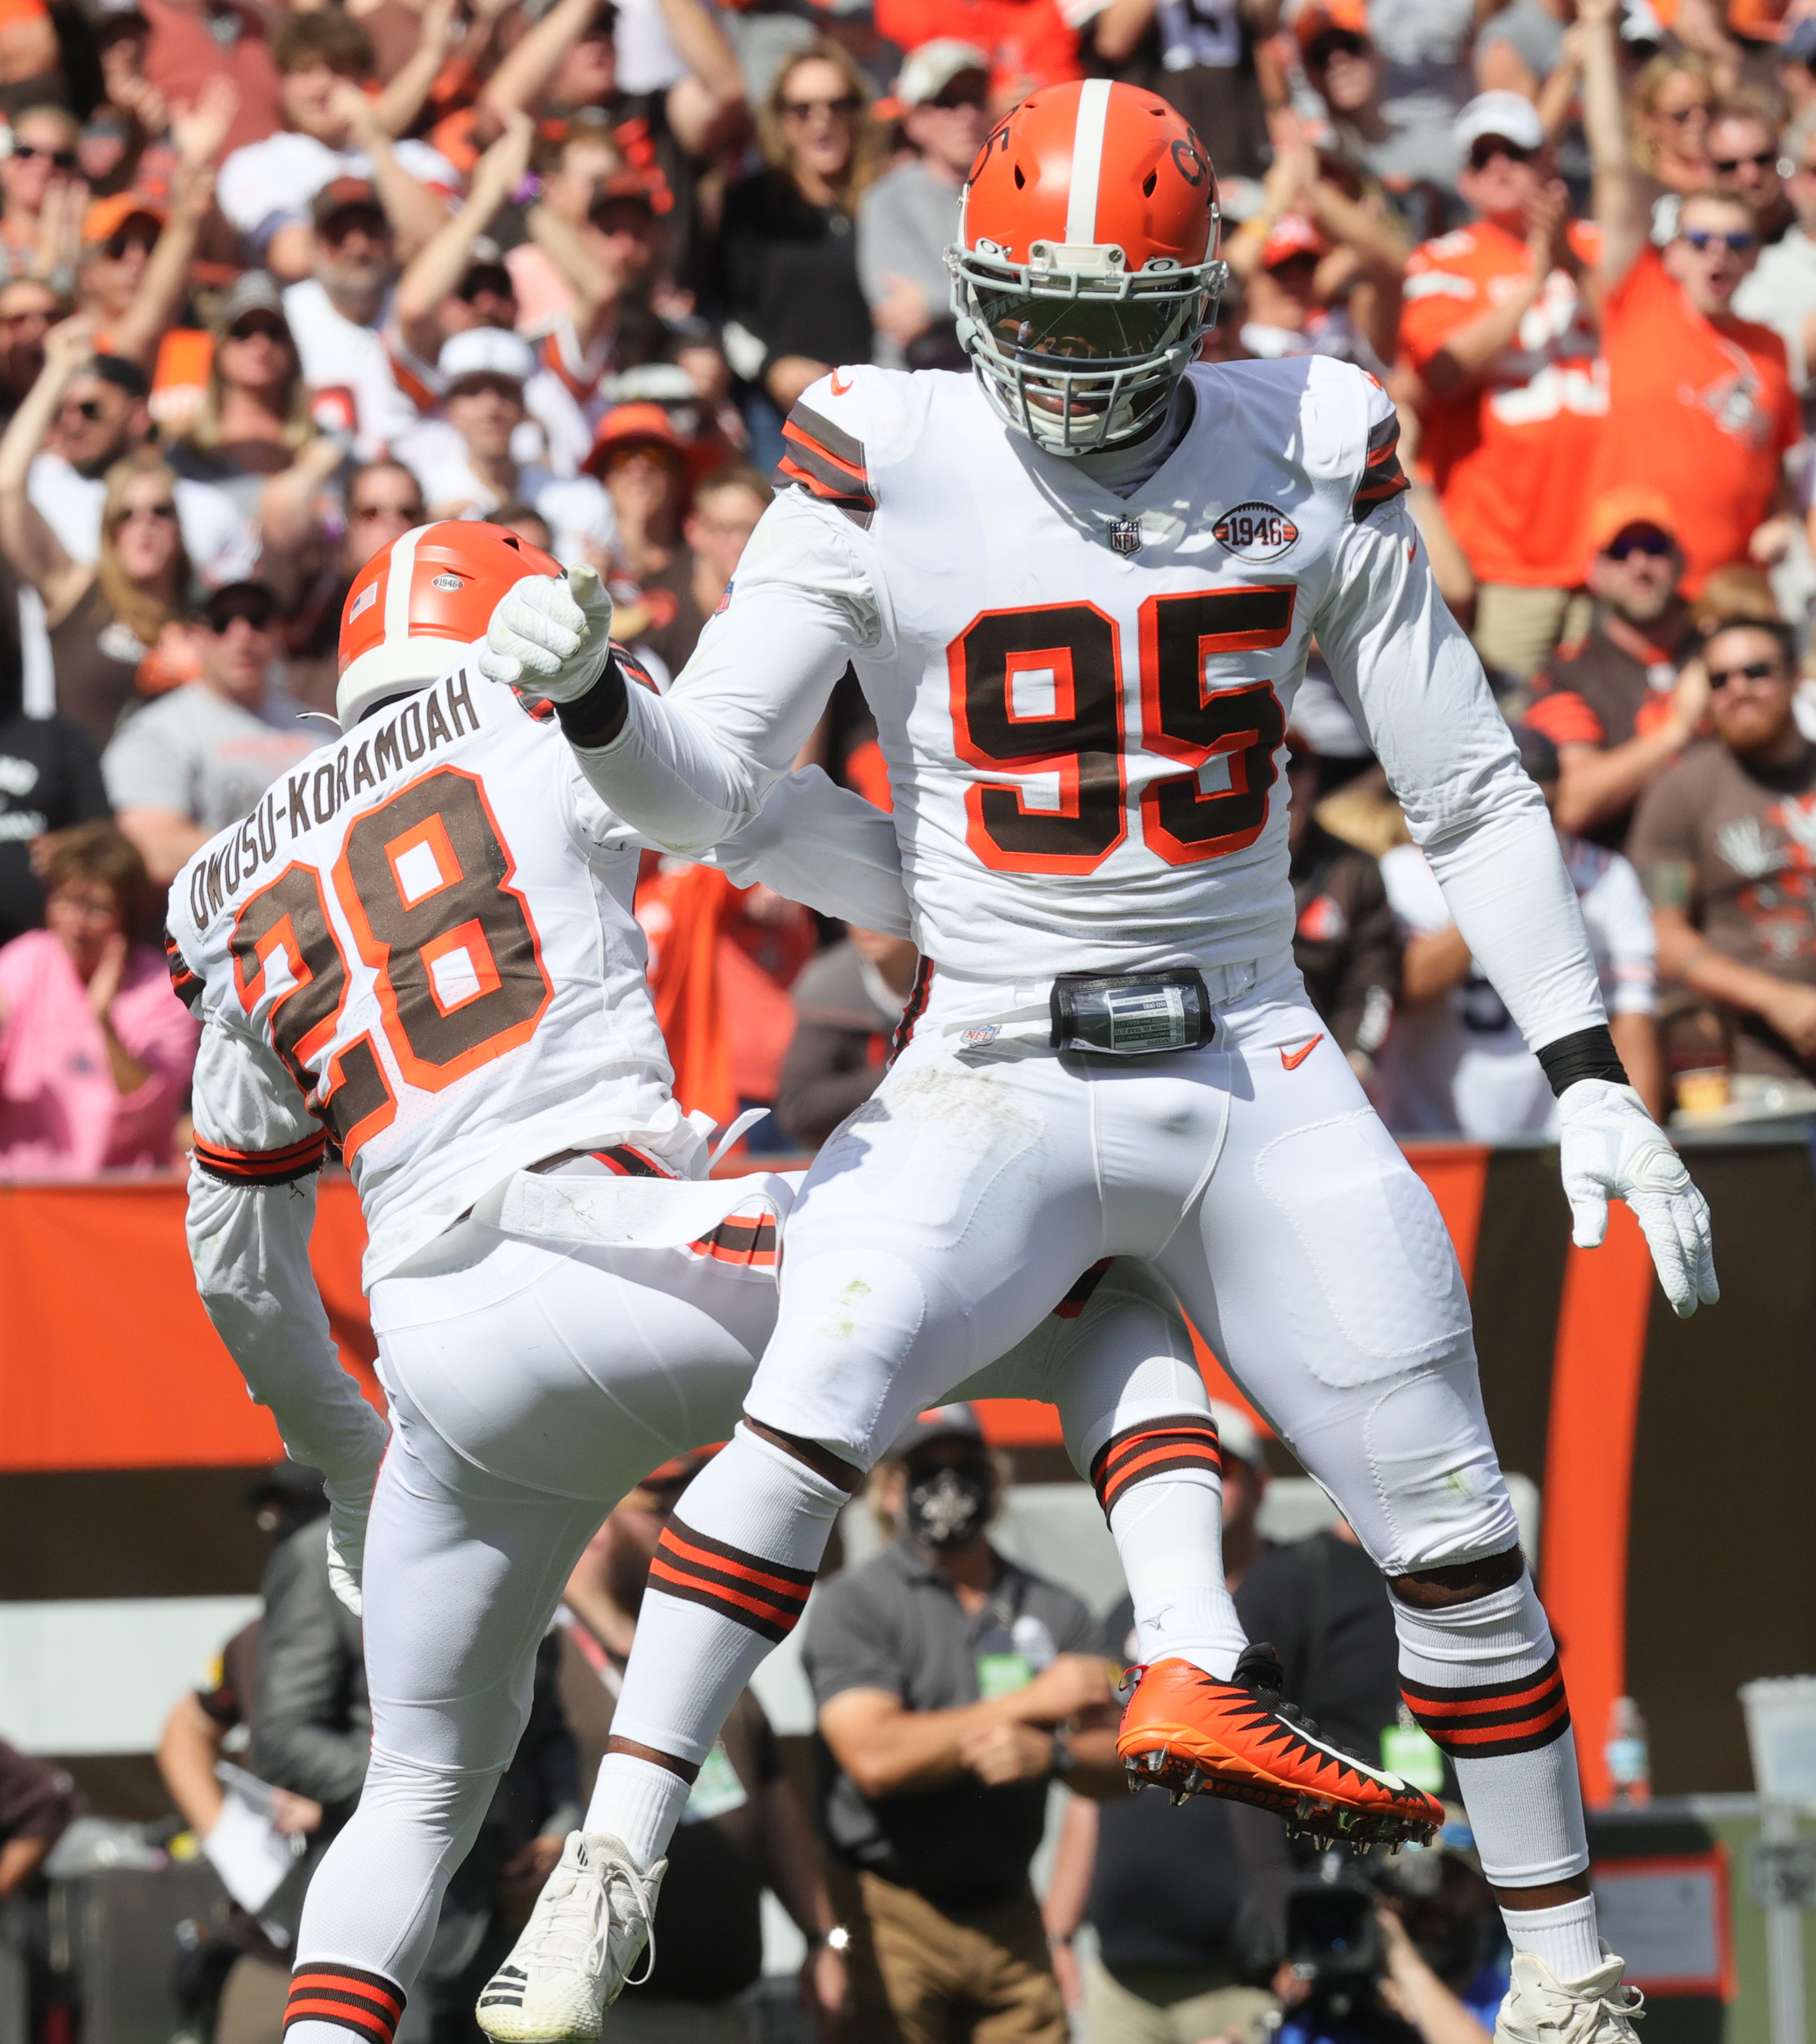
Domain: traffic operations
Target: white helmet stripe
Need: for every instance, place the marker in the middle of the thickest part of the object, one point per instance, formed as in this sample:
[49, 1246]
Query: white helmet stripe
[1086, 162]
[398, 576]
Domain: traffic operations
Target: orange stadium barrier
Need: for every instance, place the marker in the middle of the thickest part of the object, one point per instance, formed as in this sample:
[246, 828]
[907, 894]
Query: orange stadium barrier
[1670, 1454]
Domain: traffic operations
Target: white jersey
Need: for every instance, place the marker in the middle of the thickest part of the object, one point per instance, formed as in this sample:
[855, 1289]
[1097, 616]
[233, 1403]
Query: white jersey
[1083, 699]
[422, 940]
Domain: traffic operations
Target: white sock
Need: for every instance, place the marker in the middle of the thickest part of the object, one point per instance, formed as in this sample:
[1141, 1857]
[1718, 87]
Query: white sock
[1482, 1679]
[1565, 1937]
[730, 1579]
[638, 1804]
[1162, 1490]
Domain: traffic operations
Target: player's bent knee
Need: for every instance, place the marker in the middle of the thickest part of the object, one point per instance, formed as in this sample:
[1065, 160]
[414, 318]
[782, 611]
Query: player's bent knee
[821, 1460]
[1459, 1582]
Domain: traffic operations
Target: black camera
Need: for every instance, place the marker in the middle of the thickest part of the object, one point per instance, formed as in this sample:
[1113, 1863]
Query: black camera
[1333, 1942]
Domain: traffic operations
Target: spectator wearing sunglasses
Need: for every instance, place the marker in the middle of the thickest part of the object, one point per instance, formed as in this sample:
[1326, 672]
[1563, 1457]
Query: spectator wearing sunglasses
[28, 309]
[187, 765]
[1723, 841]
[787, 253]
[1700, 404]
[37, 175]
[1622, 703]
[1497, 328]
[909, 216]
[255, 418]
[1743, 149]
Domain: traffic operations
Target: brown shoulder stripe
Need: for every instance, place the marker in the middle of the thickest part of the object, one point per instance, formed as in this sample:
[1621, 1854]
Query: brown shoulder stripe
[262, 1167]
[1383, 478]
[185, 982]
[828, 463]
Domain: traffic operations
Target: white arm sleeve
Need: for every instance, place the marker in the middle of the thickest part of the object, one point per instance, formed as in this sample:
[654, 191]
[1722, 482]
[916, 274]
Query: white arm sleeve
[1412, 681]
[249, 1243]
[691, 767]
[816, 842]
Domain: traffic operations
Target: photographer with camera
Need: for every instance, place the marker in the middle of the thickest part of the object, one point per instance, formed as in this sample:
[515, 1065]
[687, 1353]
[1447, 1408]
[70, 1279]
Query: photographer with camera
[1405, 1950]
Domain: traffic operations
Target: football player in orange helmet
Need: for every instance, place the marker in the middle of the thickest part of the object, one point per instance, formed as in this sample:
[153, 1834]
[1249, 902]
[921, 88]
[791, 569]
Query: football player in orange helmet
[1080, 588]
[1086, 271]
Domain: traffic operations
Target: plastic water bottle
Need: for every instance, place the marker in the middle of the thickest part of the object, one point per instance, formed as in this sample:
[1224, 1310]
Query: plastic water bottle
[1629, 1765]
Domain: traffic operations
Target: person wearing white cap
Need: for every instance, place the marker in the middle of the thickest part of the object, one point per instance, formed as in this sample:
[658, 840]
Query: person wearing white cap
[1496, 325]
[906, 219]
[472, 471]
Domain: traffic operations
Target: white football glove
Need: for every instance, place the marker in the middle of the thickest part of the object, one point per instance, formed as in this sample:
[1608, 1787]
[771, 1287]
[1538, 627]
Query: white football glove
[348, 1505]
[1611, 1148]
[550, 635]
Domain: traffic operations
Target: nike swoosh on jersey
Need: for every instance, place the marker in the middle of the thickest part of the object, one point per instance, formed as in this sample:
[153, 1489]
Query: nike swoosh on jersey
[1293, 1059]
[838, 388]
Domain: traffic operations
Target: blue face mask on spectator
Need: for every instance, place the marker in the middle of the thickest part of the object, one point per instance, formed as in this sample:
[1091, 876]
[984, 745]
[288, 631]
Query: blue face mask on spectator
[948, 1508]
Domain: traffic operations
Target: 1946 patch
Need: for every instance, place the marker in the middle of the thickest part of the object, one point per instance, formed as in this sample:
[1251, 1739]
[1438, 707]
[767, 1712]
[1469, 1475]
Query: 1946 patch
[1256, 531]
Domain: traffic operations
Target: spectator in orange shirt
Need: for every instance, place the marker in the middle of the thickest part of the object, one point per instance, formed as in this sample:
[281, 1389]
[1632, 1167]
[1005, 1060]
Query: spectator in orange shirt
[1623, 702]
[1496, 328]
[1700, 403]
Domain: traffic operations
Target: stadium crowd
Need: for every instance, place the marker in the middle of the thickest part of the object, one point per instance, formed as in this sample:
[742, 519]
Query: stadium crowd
[274, 286]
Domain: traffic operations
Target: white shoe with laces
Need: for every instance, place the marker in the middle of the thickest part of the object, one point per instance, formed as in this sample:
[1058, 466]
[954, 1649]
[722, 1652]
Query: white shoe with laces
[590, 1923]
[1540, 2008]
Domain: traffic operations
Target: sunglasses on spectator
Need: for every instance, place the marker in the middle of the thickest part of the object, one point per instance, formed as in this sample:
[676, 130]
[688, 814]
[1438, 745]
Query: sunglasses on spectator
[955, 96]
[166, 511]
[84, 408]
[805, 109]
[122, 245]
[1340, 42]
[1727, 166]
[268, 324]
[493, 278]
[1483, 152]
[64, 159]
[258, 617]
[1653, 542]
[408, 514]
[1754, 671]
[1738, 240]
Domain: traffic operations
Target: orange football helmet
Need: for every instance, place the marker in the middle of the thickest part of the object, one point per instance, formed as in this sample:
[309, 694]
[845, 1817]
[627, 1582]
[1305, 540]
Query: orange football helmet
[431, 590]
[1086, 269]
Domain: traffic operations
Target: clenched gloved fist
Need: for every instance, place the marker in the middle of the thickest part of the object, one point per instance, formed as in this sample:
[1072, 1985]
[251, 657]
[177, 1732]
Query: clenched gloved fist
[1611, 1148]
[550, 636]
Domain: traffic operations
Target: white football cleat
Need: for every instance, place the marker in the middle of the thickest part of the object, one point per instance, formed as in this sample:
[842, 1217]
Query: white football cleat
[590, 1923]
[1539, 2008]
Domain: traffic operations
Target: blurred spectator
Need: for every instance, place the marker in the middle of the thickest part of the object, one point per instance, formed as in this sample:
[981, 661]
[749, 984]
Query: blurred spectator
[1670, 102]
[1345, 69]
[1616, 704]
[1743, 149]
[1425, 45]
[787, 251]
[132, 273]
[1030, 43]
[336, 313]
[743, 1830]
[95, 1050]
[191, 42]
[1456, 1063]
[383, 501]
[189, 764]
[205, 1725]
[311, 1735]
[104, 615]
[846, 1004]
[484, 371]
[1780, 290]
[1179, 1898]
[909, 217]
[93, 406]
[41, 195]
[1200, 56]
[29, 308]
[330, 130]
[1500, 331]
[1320, 265]
[952, 1687]
[50, 778]
[1699, 403]
[726, 508]
[642, 461]
[37, 1802]
[254, 419]
[1724, 839]
[1344, 940]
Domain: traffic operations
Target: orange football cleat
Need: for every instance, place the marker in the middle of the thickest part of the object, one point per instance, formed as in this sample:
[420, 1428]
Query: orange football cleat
[1189, 1733]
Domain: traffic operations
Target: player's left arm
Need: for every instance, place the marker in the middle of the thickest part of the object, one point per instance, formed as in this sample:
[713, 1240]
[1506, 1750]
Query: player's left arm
[817, 843]
[1413, 681]
[252, 1211]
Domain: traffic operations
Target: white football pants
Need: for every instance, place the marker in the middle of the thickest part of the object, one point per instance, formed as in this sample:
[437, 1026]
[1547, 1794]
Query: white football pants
[941, 1222]
[530, 1389]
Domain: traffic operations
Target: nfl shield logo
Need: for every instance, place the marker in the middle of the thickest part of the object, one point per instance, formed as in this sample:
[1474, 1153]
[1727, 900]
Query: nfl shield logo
[1126, 535]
